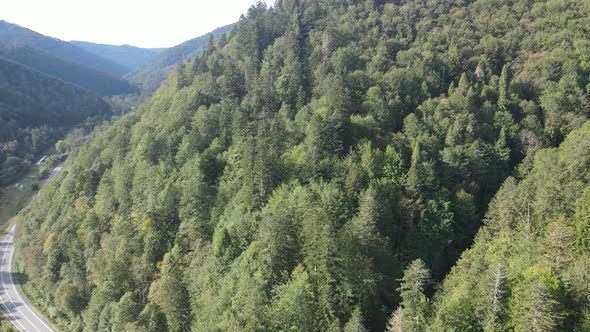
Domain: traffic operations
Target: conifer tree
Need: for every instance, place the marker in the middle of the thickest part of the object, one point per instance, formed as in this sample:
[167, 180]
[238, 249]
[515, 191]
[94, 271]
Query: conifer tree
[496, 293]
[355, 323]
[170, 293]
[536, 310]
[503, 90]
[414, 303]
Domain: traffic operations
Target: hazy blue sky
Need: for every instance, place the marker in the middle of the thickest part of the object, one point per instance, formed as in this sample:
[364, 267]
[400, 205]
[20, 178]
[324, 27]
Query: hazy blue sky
[144, 23]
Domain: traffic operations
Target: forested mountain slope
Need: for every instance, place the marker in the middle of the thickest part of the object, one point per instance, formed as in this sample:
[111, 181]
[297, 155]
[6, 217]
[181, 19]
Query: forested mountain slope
[153, 72]
[14, 35]
[285, 177]
[98, 82]
[129, 56]
[529, 268]
[35, 110]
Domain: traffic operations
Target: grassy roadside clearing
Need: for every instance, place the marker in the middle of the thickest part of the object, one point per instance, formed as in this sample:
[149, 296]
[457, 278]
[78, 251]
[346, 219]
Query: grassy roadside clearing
[15, 197]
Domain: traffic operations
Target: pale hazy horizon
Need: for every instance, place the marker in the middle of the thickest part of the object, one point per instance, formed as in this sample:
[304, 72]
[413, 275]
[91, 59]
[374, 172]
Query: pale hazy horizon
[149, 24]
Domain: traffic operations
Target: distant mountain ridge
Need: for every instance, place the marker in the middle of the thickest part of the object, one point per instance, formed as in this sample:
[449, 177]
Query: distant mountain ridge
[153, 72]
[35, 111]
[42, 92]
[101, 83]
[15, 35]
[129, 56]
[101, 68]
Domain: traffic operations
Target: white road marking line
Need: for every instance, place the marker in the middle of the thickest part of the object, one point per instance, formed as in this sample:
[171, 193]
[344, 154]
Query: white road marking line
[18, 309]
[25, 304]
[12, 317]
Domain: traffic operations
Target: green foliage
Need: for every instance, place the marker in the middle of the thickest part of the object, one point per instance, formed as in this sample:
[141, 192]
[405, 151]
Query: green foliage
[170, 293]
[125, 312]
[355, 323]
[523, 272]
[294, 307]
[152, 318]
[414, 303]
[582, 222]
[150, 74]
[35, 111]
[284, 178]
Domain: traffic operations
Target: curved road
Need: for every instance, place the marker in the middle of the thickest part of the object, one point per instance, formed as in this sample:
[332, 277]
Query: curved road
[12, 301]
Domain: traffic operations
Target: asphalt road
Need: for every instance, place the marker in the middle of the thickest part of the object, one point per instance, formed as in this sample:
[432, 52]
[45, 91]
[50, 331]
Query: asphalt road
[55, 171]
[12, 301]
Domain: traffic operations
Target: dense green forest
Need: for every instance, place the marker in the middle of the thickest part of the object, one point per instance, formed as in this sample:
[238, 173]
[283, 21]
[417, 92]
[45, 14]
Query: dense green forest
[14, 35]
[529, 268]
[91, 79]
[153, 72]
[324, 167]
[129, 56]
[35, 111]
